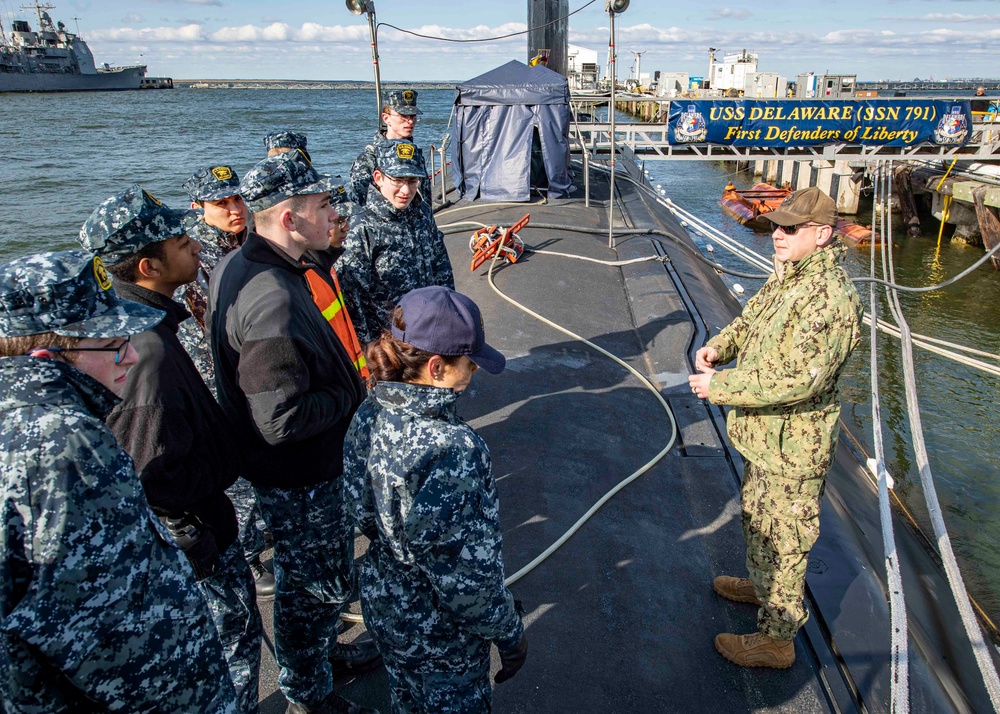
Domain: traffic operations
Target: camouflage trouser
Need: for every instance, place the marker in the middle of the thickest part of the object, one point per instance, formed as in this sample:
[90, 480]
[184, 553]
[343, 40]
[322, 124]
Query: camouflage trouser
[313, 573]
[440, 692]
[780, 523]
[233, 602]
[251, 533]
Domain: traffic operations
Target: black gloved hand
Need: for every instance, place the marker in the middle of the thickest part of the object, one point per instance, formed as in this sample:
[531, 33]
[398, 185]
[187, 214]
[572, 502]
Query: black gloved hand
[203, 554]
[197, 542]
[512, 661]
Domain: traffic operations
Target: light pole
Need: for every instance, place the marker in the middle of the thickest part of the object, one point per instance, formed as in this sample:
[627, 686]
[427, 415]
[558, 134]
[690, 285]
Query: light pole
[359, 7]
[613, 7]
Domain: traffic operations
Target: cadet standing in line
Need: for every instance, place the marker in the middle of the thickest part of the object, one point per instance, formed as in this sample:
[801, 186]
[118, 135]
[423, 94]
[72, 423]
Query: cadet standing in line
[290, 390]
[419, 485]
[99, 608]
[224, 225]
[395, 247]
[170, 424]
[792, 341]
[399, 115]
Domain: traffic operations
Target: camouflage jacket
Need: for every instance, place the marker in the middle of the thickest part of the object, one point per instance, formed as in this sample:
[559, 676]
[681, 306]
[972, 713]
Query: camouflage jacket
[215, 245]
[418, 483]
[388, 253]
[98, 607]
[791, 341]
[364, 166]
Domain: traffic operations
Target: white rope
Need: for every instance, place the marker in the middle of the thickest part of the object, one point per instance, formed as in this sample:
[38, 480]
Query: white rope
[899, 689]
[980, 649]
[622, 484]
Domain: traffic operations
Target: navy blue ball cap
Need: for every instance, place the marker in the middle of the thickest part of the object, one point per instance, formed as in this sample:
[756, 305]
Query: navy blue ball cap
[129, 221]
[280, 177]
[212, 183]
[403, 101]
[400, 158]
[284, 140]
[444, 322]
[68, 293]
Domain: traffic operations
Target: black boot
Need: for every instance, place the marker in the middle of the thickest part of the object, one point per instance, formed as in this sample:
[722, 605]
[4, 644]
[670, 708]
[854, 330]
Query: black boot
[333, 704]
[263, 580]
[354, 658]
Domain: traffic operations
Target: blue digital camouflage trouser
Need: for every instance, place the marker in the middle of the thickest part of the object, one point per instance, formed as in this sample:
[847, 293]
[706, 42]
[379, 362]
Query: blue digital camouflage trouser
[313, 572]
[466, 692]
[780, 524]
[248, 516]
[233, 602]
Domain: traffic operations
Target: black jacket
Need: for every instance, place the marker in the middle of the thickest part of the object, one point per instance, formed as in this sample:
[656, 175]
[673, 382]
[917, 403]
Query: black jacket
[172, 427]
[285, 381]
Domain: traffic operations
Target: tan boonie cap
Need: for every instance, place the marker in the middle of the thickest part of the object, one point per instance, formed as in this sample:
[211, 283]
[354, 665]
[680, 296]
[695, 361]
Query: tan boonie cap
[808, 205]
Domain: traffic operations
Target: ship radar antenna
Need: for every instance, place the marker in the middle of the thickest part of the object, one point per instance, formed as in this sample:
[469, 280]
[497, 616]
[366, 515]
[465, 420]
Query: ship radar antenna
[39, 9]
[77, 21]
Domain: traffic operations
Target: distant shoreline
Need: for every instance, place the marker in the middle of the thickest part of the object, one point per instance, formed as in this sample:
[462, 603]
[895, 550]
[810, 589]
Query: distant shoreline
[304, 84]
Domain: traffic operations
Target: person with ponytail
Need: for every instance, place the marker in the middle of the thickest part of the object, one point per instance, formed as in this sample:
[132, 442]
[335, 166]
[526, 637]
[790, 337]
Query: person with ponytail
[419, 485]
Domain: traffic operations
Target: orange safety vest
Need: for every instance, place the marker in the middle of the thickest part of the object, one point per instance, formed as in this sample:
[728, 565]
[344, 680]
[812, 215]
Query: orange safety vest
[330, 301]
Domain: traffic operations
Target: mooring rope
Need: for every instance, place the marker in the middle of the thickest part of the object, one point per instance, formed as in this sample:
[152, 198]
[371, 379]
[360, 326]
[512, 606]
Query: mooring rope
[980, 648]
[899, 689]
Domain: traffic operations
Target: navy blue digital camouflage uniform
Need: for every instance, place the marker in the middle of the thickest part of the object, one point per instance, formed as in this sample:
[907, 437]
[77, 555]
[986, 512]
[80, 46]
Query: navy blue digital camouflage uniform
[99, 609]
[389, 251]
[418, 484]
[177, 435]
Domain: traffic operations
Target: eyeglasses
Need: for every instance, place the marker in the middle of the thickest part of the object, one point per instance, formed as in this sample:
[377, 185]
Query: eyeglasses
[341, 220]
[400, 182]
[119, 350]
[405, 117]
[792, 230]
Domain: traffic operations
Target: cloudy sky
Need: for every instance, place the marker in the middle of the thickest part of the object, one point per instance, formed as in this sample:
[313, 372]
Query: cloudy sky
[320, 39]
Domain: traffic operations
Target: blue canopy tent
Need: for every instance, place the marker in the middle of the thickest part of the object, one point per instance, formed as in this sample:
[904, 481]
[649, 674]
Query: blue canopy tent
[497, 116]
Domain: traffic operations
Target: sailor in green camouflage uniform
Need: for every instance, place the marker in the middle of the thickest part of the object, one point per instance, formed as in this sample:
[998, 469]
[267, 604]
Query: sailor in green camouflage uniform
[791, 342]
[224, 225]
[399, 115]
[418, 484]
[98, 606]
[395, 247]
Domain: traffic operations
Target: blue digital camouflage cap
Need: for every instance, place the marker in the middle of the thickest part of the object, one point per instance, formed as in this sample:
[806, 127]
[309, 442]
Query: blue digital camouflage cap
[282, 176]
[284, 140]
[400, 158]
[444, 322]
[129, 221]
[338, 194]
[212, 183]
[68, 293]
[403, 101]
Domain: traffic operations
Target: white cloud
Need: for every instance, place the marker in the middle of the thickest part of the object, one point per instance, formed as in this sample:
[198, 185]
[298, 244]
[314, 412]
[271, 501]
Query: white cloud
[187, 33]
[132, 19]
[953, 17]
[727, 13]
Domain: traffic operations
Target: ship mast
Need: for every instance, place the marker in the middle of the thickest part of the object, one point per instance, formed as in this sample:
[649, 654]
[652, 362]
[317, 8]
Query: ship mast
[38, 8]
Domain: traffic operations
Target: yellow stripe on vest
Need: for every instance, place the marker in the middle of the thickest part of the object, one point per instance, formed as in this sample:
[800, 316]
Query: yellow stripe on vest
[333, 309]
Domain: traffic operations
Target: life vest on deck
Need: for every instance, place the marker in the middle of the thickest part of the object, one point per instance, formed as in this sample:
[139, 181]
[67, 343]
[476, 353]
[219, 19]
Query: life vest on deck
[330, 301]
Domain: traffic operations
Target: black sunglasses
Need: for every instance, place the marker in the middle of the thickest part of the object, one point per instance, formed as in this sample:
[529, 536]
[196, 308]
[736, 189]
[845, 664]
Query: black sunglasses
[792, 230]
[119, 350]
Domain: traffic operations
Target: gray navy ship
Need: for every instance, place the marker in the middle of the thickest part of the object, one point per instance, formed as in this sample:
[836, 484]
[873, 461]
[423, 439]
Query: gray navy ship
[56, 60]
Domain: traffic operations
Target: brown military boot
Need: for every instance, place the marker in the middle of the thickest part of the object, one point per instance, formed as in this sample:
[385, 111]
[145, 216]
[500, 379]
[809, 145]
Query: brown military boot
[735, 589]
[756, 650]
